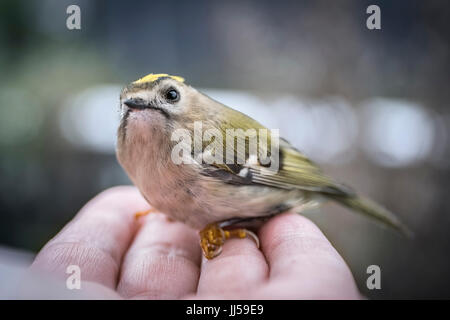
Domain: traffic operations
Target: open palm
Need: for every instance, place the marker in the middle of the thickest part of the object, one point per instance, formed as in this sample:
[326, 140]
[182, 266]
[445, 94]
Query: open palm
[155, 258]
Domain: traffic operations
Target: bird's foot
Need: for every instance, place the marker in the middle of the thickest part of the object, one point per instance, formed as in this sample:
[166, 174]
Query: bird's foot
[212, 238]
[139, 214]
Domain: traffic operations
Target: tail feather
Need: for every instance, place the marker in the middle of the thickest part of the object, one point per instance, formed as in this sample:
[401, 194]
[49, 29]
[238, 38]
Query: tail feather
[373, 210]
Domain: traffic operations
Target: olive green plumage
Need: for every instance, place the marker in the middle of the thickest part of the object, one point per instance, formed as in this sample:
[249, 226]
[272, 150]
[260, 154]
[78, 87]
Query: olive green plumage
[155, 106]
[297, 171]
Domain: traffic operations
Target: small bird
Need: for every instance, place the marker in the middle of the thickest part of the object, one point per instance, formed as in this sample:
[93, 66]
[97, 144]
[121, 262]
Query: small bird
[226, 198]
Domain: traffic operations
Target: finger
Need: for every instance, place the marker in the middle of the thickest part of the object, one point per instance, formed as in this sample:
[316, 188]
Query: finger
[96, 239]
[163, 262]
[238, 269]
[301, 257]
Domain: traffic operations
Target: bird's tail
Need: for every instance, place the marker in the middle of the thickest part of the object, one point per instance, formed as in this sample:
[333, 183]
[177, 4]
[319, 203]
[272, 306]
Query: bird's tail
[373, 210]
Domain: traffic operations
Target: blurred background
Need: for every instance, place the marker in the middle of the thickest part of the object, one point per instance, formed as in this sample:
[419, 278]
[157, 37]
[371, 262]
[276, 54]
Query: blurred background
[370, 106]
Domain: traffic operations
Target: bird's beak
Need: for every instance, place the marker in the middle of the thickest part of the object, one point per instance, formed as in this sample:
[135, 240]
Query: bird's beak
[137, 104]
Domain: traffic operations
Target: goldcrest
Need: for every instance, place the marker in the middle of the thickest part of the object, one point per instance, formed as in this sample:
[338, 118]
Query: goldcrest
[180, 148]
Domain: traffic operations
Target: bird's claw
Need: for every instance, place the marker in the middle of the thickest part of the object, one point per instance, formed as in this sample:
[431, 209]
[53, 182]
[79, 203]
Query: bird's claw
[139, 214]
[212, 238]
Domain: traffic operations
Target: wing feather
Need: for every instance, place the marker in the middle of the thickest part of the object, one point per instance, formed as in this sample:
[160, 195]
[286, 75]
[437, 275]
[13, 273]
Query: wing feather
[295, 170]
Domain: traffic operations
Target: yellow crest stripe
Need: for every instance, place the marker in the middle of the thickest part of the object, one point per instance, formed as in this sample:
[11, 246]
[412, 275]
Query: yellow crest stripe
[153, 77]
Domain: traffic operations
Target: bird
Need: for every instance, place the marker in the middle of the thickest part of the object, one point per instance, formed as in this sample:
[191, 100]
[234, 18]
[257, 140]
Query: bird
[212, 184]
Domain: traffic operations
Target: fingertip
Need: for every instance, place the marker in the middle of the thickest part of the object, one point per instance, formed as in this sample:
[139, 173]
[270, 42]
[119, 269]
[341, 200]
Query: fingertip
[239, 247]
[289, 236]
[239, 266]
[162, 262]
[288, 224]
[118, 197]
[112, 192]
[299, 254]
[99, 235]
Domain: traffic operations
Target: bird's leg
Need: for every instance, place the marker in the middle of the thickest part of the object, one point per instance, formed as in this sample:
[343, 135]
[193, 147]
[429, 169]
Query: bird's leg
[212, 238]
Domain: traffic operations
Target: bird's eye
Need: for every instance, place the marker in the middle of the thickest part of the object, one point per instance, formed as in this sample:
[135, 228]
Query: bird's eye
[172, 95]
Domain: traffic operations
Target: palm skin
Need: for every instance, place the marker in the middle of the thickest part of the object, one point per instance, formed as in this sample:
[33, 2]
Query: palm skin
[155, 258]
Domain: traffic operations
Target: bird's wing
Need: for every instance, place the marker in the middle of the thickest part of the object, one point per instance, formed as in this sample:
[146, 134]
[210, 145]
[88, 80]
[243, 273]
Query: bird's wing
[295, 170]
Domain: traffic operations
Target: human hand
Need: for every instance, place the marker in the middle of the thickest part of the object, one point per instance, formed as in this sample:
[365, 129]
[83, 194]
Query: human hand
[155, 258]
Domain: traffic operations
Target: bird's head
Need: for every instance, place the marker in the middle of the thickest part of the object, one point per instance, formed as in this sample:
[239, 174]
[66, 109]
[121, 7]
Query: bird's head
[153, 102]
[153, 107]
